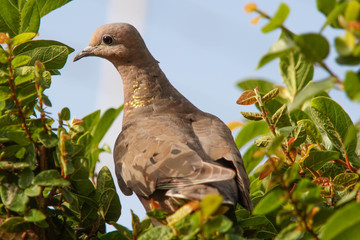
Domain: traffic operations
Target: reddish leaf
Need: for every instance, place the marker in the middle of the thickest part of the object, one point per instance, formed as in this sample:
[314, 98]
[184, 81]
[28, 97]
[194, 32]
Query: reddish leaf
[293, 154]
[323, 181]
[154, 204]
[269, 167]
[247, 98]
[291, 141]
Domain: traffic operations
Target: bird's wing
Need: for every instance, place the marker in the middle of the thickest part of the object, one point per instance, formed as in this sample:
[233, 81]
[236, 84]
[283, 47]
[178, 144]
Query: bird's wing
[162, 153]
[218, 143]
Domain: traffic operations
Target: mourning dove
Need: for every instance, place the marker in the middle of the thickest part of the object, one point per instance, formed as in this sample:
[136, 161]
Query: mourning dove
[168, 150]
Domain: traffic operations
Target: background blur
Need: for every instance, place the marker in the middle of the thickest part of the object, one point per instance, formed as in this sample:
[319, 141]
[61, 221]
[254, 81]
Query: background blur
[204, 47]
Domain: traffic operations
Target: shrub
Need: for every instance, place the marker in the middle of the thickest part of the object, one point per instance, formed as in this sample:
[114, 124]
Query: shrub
[303, 165]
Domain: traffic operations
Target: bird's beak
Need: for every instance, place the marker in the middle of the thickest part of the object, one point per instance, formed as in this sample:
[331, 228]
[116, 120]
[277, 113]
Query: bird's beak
[84, 53]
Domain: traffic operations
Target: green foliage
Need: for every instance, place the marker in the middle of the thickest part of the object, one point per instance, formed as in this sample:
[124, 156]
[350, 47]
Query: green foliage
[302, 147]
[308, 185]
[47, 176]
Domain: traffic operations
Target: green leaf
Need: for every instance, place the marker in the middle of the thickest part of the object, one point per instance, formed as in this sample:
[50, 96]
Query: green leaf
[296, 71]
[270, 95]
[23, 37]
[278, 19]
[275, 144]
[7, 165]
[14, 224]
[299, 133]
[110, 205]
[252, 116]
[343, 46]
[5, 93]
[65, 114]
[83, 186]
[24, 16]
[281, 118]
[352, 11]
[264, 140]
[250, 84]
[53, 57]
[135, 223]
[34, 215]
[30, 156]
[317, 159]
[217, 225]
[20, 61]
[50, 178]
[145, 225]
[9, 19]
[31, 46]
[271, 201]
[278, 49]
[20, 154]
[334, 14]
[345, 180]
[250, 131]
[314, 46]
[23, 79]
[325, 6]
[25, 178]
[13, 197]
[46, 6]
[104, 180]
[109, 200]
[344, 223]
[312, 132]
[27, 92]
[104, 124]
[311, 90]
[48, 139]
[30, 17]
[292, 173]
[352, 85]
[33, 191]
[349, 196]
[4, 58]
[250, 161]
[123, 230]
[91, 120]
[265, 235]
[290, 232]
[332, 118]
[254, 221]
[18, 136]
[160, 232]
[306, 192]
[348, 60]
[114, 235]
[209, 204]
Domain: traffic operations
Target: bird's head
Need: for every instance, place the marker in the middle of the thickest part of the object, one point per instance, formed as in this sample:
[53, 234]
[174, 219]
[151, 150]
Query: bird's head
[120, 43]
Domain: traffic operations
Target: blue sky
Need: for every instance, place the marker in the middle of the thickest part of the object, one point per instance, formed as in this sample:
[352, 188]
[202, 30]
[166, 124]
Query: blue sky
[204, 47]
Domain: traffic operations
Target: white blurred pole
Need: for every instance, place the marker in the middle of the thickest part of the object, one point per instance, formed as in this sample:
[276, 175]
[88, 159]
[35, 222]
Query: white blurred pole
[110, 94]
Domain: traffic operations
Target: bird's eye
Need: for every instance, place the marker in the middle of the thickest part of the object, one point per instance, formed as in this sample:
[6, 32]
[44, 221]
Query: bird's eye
[107, 39]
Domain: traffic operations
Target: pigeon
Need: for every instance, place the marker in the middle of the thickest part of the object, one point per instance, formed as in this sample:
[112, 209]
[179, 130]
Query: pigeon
[169, 152]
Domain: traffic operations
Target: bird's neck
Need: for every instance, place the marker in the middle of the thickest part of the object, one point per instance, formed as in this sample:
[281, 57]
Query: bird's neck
[143, 84]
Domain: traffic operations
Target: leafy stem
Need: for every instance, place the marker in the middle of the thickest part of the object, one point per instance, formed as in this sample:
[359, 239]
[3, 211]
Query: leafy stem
[11, 81]
[268, 121]
[289, 192]
[288, 31]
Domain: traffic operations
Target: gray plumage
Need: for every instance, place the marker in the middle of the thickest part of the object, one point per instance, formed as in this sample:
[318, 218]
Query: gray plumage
[168, 150]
